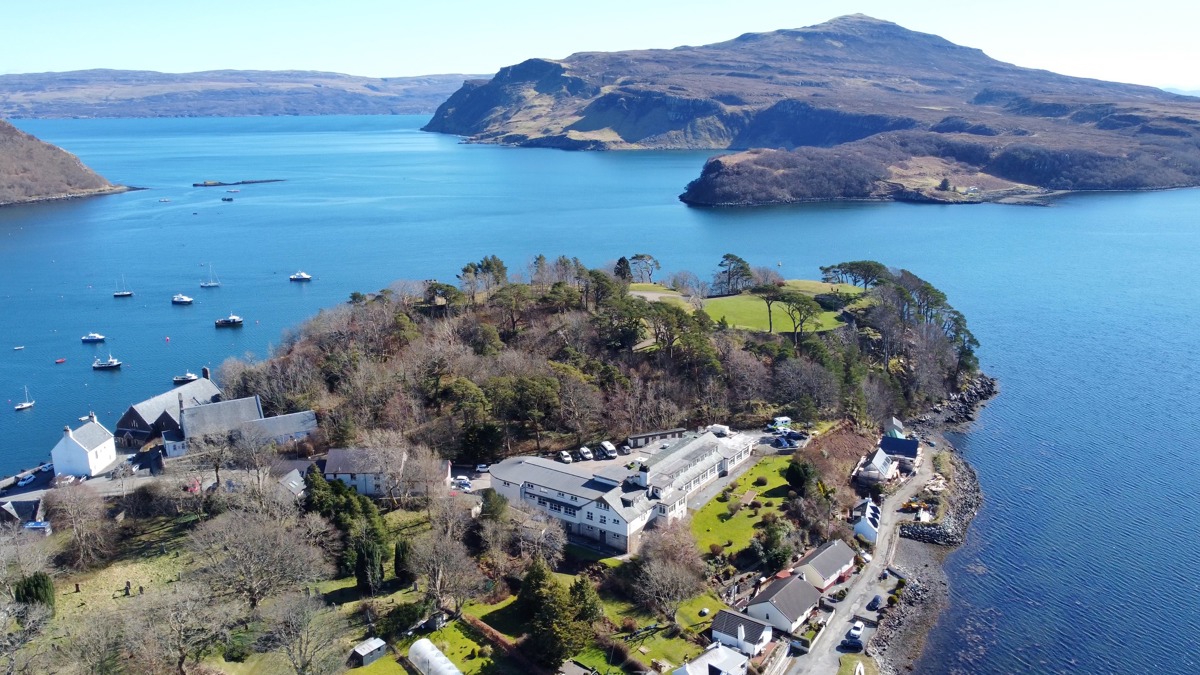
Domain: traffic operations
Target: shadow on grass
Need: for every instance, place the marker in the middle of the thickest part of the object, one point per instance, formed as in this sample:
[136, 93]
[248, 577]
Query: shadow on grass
[508, 620]
[341, 596]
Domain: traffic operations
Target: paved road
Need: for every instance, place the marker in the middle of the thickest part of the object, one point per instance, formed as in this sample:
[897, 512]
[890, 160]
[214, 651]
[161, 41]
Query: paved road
[824, 659]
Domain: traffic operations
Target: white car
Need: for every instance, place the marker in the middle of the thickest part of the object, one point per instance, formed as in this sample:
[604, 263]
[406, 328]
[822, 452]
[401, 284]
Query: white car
[856, 630]
[564, 456]
[865, 556]
[46, 468]
[482, 468]
[585, 453]
[26, 480]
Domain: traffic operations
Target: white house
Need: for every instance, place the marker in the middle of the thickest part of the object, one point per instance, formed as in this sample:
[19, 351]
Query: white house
[742, 632]
[716, 659]
[826, 565]
[875, 469]
[87, 451]
[865, 519]
[613, 505]
[785, 604]
[358, 469]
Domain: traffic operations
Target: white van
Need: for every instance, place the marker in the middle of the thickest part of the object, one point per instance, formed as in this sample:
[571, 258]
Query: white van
[609, 450]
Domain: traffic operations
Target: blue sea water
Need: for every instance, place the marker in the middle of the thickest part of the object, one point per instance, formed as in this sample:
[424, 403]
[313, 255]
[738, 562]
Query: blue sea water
[1083, 556]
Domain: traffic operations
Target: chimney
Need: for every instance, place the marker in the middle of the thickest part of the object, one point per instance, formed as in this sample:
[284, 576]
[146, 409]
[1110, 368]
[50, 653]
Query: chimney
[206, 373]
[66, 430]
[92, 415]
[643, 476]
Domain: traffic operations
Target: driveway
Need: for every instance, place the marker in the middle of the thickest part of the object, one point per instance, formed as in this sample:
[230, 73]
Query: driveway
[866, 585]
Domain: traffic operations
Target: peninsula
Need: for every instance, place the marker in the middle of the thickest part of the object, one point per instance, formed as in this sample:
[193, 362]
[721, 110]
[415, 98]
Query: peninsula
[854, 108]
[32, 170]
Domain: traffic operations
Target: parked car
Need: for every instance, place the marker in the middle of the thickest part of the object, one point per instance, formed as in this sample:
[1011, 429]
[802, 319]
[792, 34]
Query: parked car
[46, 468]
[795, 435]
[782, 442]
[564, 457]
[585, 453]
[856, 630]
[851, 645]
[482, 468]
[625, 450]
[875, 603]
[26, 480]
[865, 556]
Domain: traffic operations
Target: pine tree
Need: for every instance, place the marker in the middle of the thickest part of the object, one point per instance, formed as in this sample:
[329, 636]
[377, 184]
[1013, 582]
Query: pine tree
[368, 567]
[534, 588]
[585, 601]
[36, 588]
[403, 575]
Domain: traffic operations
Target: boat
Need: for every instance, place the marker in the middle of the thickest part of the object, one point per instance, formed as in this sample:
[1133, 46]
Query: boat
[230, 321]
[26, 404]
[164, 200]
[226, 199]
[300, 276]
[189, 376]
[18, 348]
[92, 337]
[181, 299]
[233, 190]
[60, 360]
[213, 281]
[122, 291]
[110, 364]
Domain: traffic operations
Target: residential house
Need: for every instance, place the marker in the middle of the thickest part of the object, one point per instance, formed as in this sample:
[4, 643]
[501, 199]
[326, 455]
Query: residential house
[85, 452]
[642, 440]
[828, 564]
[214, 421]
[358, 469]
[906, 452]
[282, 429]
[864, 518]
[293, 482]
[155, 416]
[21, 511]
[894, 428]
[875, 469]
[742, 632]
[613, 506]
[716, 659]
[785, 604]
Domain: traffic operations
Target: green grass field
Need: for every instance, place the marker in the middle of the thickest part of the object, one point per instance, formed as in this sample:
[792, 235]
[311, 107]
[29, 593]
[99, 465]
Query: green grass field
[848, 661]
[651, 288]
[712, 524]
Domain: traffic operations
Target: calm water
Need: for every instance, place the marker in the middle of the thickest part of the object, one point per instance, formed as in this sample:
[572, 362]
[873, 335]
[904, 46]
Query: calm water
[1082, 558]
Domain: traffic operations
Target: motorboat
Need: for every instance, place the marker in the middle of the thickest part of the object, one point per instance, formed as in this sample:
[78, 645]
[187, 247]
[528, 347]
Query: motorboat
[26, 404]
[181, 299]
[60, 360]
[230, 321]
[18, 348]
[92, 337]
[189, 376]
[300, 276]
[110, 364]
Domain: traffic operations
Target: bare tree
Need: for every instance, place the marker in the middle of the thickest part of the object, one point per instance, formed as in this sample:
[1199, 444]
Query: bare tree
[307, 632]
[211, 452]
[388, 453]
[93, 647]
[425, 473]
[20, 623]
[255, 453]
[670, 569]
[177, 626]
[81, 510]
[451, 575]
[253, 556]
[21, 554]
[543, 537]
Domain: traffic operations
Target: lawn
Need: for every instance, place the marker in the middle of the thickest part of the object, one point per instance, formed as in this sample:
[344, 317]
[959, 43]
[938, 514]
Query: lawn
[848, 662]
[460, 643]
[712, 524]
[591, 555]
[688, 615]
[750, 312]
[651, 288]
[502, 616]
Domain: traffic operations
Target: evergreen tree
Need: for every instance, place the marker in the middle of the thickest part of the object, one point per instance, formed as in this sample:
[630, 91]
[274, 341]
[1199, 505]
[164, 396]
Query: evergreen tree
[622, 270]
[534, 588]
[37, 588]
[495, 506]
[585, 601]
[554, 633]
[368, 567]
[404, 576]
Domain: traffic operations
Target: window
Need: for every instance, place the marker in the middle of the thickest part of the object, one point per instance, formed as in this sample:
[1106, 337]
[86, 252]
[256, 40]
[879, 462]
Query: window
[556, 507]
[662, 509]
[506, 483]
[560, 494]
[351, 476]
[542, 502]
[616, 521]
[570, 511]
[602, 506]
[603, 520]
[574, 498]
[589, 515]
[590, 528]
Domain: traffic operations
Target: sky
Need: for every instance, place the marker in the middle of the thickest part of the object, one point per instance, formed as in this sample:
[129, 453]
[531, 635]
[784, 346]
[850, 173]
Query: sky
[1153, 43]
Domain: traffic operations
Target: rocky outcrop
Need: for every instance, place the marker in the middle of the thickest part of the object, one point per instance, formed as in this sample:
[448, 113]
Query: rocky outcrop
[962, 505]
[32, 170]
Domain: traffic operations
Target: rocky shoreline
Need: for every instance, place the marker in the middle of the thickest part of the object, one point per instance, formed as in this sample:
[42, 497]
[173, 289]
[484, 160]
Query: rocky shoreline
[922, 548]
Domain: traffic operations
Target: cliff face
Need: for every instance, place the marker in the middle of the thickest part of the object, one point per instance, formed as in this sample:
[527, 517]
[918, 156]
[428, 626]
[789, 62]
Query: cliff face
[219, 93]
[31, 170]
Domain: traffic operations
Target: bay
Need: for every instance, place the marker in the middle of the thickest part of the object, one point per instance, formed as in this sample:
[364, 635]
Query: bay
[1081, 559]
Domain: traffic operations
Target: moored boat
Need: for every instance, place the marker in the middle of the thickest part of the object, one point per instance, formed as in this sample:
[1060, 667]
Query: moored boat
[230, 321]
[213, 281]
[18, 348]
[122, 291]
[189, 376]
[92, 337]
[300, 276]
[26, 404]
[110, 364]
[60, 360]
[181, 299]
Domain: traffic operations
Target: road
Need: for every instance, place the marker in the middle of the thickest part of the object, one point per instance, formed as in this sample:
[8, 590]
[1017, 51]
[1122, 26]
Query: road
[824, 659]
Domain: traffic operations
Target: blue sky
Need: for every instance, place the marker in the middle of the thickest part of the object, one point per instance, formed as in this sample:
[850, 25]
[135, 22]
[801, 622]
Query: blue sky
[1148, 43]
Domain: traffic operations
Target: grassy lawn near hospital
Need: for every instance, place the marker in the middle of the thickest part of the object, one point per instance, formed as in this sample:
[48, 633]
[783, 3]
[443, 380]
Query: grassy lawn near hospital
[713, 524]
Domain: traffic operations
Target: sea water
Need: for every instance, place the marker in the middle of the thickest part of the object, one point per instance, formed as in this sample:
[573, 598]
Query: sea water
[1083, 556]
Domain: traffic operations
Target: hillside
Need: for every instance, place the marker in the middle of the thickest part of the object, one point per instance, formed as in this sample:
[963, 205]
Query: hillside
[846, 80]
[218, 93]
[32, 170]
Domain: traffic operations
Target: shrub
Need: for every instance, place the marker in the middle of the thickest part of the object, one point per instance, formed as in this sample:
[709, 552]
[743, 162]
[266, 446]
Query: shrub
[769, 504]
[893, 599]
[629, 624]
[35, 588]
[733, 508]
[716, 549]
[760, 481]
[485, 652]
[756, 505]
[723, 497]
[792, 495]
[673, 631]
[770, 518]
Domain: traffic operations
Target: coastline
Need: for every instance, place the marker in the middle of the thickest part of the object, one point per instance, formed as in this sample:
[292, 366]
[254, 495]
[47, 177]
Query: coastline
[921, 551]
[97, 192]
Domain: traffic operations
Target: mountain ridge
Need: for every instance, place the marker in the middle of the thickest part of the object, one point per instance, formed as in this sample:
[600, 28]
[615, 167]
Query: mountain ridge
[32, 170]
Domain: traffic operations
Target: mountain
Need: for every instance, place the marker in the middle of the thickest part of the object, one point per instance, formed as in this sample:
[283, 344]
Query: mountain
[32, 170]
[218, 93]
[909, 108]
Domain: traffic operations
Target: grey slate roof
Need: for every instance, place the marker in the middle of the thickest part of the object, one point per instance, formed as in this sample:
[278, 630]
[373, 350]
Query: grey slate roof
[220, 418]
[727, 622]
[881, 462]
[293, 482]
[194, 393]
[793, 596]
[23, 510]
[828, 558]
[552, 475]
[283, 426]
[900, 447]
[91, 435]
[349, 460]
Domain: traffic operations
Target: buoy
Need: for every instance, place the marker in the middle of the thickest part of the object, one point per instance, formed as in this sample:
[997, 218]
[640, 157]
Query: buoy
[168, 338]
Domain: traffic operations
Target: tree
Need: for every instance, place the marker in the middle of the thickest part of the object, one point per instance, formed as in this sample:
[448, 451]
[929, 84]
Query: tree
[451, 574]
[770, 294]
[669, 569]
[368, 567]
[643, 266]
[469, 281]
[307, 632]
[178, 625]
[79, 509]
[37, 588]
[667, 321]
[586, 601]
[22, 554]
[534, 587]
[252, 556]
[493, 272]
[543, 538]
[562, 297]
[800, 475]
[20, 623]
[555, 629]
[401, 562]
[512, 300]
[495, 506]
[734, 274]
[944, 185]
[623, 271]
[801, 309]
[444, 296]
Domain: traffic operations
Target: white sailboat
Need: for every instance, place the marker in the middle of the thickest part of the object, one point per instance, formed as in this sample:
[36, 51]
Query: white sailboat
[213, 281]
[122, 291]
[27, 404]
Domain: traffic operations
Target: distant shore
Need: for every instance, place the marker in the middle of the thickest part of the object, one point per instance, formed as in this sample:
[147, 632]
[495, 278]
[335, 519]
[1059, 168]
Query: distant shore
[111, 190]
